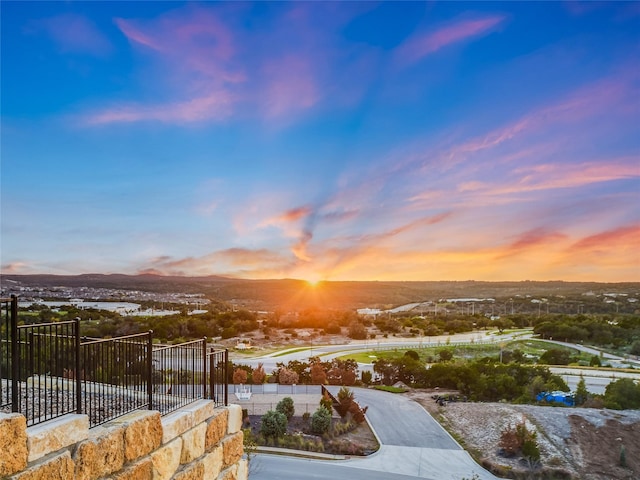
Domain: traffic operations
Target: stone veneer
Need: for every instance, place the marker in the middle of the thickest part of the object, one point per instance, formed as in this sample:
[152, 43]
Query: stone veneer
[197, 442]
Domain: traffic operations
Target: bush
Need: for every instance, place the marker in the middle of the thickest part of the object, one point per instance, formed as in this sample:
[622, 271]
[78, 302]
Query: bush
[318, 375]
[357, 330]
[286, 407]
[345, 399]
[622, 394]
[326, 402]
[321, 421]
[445, 355]
[274, 424]
[520, 440]
[530, 449]
[258, 375]
[287, 377]
[239, 376]
[555, 356]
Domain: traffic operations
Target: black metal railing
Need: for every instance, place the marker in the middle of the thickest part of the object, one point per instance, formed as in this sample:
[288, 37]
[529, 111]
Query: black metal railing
[218, 361]
[6, 314]
[179, 374]
[114, 376]
[48, 370]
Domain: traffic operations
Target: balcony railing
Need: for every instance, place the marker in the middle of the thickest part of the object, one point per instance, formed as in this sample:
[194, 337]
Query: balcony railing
[48, 370]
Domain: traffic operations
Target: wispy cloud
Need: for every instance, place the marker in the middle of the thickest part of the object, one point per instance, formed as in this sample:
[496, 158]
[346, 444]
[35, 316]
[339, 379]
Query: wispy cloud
[290, 85]
[213, 67]
[222, 262]
[460, 30]
[627, 237]
[74, 33]
[215, 106]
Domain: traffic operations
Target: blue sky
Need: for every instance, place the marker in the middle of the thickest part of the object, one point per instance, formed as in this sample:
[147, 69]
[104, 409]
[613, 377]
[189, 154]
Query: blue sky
[323, 140]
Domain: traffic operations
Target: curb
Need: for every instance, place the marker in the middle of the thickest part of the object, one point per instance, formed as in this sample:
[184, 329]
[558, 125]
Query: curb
[300, 453]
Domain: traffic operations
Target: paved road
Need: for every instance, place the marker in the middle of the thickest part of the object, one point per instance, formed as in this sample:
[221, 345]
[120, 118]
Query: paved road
[327, 352]
[400, 421]
[412, 445]
[276, 467]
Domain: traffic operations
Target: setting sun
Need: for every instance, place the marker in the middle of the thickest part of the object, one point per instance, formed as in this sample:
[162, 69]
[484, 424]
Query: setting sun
[313, 281]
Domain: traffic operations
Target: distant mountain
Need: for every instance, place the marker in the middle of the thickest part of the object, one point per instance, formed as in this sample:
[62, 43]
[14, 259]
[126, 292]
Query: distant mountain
[289, 294]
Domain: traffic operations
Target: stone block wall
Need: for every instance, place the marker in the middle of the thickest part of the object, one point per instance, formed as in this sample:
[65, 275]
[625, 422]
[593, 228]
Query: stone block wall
[197, 442]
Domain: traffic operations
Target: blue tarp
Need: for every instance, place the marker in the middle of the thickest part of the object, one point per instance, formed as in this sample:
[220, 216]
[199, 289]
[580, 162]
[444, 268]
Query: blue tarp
[556, 397]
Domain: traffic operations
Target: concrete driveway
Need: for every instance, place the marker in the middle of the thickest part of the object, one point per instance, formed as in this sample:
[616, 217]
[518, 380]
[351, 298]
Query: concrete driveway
[411, 442]
[412, 445]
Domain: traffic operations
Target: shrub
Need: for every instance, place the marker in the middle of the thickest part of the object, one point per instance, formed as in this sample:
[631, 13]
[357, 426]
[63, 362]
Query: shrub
[366, 377]
[530, 449]
[520, 440]
[286, 407]
[318, 375]
[357, 330]
[345, 399]
[326, 402]
[622, 394]
[445, 355]
[274, 424]
[306, 416]
[258, 375]
[412, 354]
[239, 376]
[321, 421]
[287, 377]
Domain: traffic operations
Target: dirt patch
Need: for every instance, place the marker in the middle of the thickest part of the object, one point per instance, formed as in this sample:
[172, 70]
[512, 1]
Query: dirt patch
[575, 443]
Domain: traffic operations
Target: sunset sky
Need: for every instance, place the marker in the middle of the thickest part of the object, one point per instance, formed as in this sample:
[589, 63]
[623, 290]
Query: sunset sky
[324, 140]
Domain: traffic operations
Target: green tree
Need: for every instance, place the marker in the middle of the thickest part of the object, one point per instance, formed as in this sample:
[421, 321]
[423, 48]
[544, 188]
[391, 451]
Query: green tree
[274, 424]
[357, 330]
[286, 407]
[582, 394]
[622, 394]
[412, 354]
[556, 356]
[445, 355]
[321, 421]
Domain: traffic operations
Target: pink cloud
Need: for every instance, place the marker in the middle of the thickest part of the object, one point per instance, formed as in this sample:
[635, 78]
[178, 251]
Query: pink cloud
[195, 51]
[222, 262]
[16, 268]
[556, 176]
[290, 86]
[425, 44]
[75, 34]
[194, 38]
[627, 236]
[214, 106]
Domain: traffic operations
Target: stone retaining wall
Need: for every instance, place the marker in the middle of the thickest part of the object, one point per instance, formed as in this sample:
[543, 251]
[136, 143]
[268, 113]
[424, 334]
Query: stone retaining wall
[197, 442]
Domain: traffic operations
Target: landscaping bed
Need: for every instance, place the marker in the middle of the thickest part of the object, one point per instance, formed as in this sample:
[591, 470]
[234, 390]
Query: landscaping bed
[344, 437]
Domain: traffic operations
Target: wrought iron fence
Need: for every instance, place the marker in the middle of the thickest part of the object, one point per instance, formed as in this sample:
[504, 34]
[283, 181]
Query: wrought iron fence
[115, 376]
[48, 370]
[6, 312]
[218, 361]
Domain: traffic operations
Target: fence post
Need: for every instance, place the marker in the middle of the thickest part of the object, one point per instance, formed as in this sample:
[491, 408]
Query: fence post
[78, 366]
[212, 380]
[204, 367]
[15, 358]
[226, 376]
[150, 369]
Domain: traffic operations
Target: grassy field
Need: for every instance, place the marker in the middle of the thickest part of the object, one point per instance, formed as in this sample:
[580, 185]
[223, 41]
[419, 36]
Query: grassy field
[531, 348]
